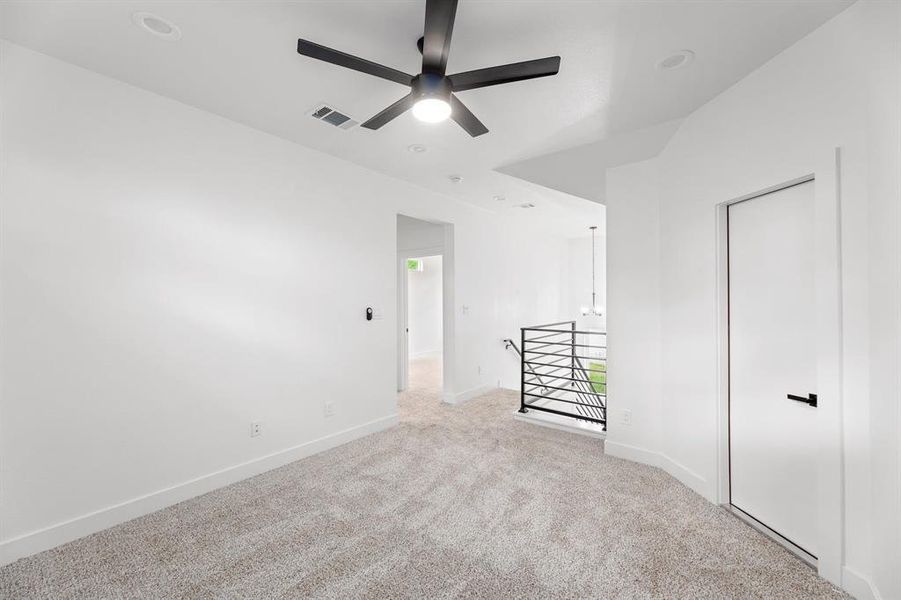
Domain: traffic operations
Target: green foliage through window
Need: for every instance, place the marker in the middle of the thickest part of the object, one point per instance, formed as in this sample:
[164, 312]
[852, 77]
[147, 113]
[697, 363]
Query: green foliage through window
[598, 379]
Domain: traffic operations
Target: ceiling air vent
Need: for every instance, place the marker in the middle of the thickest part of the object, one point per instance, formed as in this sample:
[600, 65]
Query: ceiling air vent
[327, 114]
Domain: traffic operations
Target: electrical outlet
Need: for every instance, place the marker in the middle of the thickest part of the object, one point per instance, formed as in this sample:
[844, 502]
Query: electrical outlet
[626, 417]
[328, 408]
[256, 428]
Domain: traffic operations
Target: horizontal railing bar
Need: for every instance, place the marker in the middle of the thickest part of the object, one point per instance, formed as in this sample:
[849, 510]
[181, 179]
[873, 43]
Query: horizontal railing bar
[541, 337]
[549, 373]
[558, 354]
[532, 362]
[565, 414]
[546, 344]
[604, 408]
[556, 363]
[552, 387]
[562, 352]
[548, 325]
[588, 381]
[576, 331]
[551, 391]
[550, 395]
[553, 395]
[570, 344]
[559, 412]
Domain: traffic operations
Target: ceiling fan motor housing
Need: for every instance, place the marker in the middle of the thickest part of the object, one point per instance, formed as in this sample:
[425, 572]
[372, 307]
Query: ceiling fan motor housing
[431, 85]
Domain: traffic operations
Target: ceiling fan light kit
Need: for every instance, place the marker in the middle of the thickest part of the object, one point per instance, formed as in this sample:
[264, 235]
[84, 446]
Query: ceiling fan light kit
[431, 110]
[432, 96]
[432, 93]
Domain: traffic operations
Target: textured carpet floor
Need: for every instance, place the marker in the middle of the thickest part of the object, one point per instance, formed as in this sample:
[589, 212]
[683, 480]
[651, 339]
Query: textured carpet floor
[457, 501]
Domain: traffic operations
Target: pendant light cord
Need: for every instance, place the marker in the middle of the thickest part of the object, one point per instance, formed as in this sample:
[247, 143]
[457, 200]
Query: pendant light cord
[593, 300]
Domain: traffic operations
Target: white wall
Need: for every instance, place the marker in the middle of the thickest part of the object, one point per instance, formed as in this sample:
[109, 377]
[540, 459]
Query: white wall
[424, 290]
[837, 87]
[633, 312]
[415, 236]
[169, 276]
[533, 277]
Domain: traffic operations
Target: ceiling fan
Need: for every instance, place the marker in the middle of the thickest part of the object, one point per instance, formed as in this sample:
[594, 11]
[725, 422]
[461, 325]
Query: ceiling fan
[432, 96]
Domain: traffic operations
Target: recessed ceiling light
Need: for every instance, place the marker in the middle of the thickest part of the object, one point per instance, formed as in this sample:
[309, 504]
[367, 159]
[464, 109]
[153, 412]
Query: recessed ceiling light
[417, 148]
[499, 198]
[455, 178]
[525, 205]
[156, 25]
[677, 60]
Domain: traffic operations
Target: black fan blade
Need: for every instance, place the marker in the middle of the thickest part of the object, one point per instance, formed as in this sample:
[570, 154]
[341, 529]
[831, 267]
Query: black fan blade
[392, 112]
[439, 26]
[530, 69]
[342, 59]
[465, 118]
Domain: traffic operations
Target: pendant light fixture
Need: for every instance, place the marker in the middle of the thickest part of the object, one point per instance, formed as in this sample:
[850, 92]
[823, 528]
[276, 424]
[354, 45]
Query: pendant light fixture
[594, 310]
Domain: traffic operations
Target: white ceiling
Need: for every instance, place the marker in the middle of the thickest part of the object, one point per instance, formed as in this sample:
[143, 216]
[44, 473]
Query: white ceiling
[238, 59]
[580, 171]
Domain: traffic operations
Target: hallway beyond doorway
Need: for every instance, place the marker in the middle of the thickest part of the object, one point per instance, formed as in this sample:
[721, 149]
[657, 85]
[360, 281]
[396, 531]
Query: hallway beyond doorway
[425, 375]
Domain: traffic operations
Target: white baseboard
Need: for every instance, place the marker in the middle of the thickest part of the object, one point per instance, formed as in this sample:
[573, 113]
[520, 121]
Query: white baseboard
[468, 394]
[656, 459]
[67, 531]
[853, 582]
[567, 424]
[859, 586]
[633, 453]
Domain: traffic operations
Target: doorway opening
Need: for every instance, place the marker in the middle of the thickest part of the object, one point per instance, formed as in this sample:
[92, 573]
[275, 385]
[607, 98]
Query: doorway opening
[424, 323]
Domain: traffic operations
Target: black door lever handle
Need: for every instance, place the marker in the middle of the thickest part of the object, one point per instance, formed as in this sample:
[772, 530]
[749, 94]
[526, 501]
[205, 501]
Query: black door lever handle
[811, 399]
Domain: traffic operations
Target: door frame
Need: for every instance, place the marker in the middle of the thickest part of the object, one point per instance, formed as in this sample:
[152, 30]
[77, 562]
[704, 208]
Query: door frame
[826, 178]
[448, 316]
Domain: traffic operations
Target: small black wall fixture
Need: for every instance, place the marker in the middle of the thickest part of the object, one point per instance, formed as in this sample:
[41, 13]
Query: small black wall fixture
[368, 313]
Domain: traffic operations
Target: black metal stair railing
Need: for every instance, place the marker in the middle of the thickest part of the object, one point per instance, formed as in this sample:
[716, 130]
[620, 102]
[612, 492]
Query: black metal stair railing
[554, 375]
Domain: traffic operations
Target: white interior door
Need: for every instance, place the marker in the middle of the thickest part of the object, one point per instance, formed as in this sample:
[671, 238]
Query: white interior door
[772, 362]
